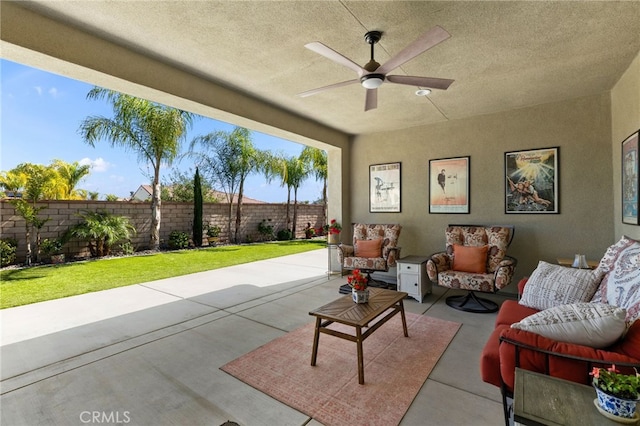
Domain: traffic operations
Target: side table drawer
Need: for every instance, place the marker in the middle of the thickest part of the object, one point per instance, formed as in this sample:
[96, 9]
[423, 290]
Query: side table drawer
[409, 267]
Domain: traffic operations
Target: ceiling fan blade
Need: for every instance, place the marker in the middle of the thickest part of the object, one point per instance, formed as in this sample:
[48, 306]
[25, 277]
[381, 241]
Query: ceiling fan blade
[430, 82]
[329, 87]
[331, 54]
[371, 101]
[425, 42]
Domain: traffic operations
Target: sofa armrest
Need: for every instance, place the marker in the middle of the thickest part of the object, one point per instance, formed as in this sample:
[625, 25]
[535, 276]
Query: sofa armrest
[344, 250]
[393, 256]
[531, 351]
[504, 272]
[438, 262]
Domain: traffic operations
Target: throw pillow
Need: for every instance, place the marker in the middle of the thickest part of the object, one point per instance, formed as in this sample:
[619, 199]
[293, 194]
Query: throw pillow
[596, 325]
[369, 248]
[621, 286]
[470, 259]
[554, 285]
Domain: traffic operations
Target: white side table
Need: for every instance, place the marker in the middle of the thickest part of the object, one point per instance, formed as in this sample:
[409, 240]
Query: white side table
[412, 276]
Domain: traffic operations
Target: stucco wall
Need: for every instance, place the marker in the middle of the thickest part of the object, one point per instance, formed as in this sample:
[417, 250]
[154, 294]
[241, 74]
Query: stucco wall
[580, 127]
[175, 217]
[625, 119]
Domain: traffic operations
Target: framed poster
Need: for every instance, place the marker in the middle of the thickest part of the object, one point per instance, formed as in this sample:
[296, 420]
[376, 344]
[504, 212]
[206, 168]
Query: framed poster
[384, 188]
[531, 184]
[449, 185]
[630, 180]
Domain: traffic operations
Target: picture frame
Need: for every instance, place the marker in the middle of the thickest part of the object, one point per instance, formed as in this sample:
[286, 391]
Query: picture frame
[385, 188]
[531, 181]
[630, 179]
[449, 185]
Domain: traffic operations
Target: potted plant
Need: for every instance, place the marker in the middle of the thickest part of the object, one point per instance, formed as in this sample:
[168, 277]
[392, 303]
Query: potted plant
[617, 393]
[358, 284]
[213, 234]
[53, 248]
[333, 230]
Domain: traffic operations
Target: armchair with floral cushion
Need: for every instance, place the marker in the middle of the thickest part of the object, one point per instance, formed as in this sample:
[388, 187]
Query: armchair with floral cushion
[474, 260]
[374, 248]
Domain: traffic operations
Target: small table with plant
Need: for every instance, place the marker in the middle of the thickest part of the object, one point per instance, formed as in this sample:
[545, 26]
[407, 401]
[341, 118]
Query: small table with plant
[539, 399]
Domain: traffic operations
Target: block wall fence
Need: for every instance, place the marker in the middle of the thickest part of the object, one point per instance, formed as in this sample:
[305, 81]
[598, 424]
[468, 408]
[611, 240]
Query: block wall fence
[175, 217]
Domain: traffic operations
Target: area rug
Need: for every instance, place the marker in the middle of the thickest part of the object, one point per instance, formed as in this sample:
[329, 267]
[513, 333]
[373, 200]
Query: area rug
[394, 371]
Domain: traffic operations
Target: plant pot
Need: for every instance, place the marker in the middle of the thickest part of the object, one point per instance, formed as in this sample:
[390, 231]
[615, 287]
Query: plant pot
[333, 238]
[57, 258]
[213, 240]
[360, 296]
[618, 409]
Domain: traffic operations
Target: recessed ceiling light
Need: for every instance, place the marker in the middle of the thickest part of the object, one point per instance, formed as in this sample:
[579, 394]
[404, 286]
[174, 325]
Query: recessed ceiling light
[423, 92]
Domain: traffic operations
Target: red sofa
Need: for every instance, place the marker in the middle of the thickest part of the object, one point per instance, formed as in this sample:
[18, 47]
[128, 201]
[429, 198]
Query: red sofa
[508, 348]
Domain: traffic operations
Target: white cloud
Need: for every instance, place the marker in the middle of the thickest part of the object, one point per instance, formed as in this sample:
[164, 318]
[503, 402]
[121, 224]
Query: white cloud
[53, 92]
[99, 165]
[38, 89]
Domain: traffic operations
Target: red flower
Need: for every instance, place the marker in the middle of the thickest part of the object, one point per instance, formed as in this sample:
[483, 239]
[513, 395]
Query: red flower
[357, 281]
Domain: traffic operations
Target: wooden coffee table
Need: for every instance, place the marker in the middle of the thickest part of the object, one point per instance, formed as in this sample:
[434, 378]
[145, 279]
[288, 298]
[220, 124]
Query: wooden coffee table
[358, 315]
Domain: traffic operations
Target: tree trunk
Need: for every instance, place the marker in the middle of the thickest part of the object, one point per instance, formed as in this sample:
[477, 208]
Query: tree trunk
[295, 212]
[154, 241]
[27, 228]
[239, 212]
[288, 206]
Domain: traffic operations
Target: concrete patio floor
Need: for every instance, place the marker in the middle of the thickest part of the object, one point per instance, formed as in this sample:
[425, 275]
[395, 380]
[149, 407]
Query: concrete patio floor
[150, 354]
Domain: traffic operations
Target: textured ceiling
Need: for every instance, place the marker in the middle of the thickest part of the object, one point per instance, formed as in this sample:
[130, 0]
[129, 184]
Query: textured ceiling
[502, 55]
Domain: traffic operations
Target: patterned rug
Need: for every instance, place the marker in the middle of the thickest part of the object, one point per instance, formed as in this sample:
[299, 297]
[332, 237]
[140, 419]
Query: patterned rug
[395, 369]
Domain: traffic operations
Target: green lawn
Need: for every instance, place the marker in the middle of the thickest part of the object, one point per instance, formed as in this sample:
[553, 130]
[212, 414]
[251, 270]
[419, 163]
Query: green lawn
[29, 285]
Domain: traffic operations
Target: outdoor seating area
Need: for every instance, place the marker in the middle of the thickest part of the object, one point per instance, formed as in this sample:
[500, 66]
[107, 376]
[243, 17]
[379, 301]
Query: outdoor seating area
[156, 358]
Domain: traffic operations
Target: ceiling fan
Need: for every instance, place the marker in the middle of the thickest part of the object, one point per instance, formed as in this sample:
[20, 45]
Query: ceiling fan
[372, 75]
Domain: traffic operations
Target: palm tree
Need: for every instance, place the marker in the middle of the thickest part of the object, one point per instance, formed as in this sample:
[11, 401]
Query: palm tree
[151, 130]
[72, 173]
[101, 230]
[319, 168]
[228, 157]
[292, 171]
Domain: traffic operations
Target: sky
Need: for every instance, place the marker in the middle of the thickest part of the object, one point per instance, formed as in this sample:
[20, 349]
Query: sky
[40, 116]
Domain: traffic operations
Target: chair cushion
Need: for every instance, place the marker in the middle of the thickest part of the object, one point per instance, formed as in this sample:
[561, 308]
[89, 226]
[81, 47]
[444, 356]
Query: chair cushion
[554, 285]
[596, 325]
[366, 263]
[467, 281]
[470, 259]
[621, 284]
[369, 248]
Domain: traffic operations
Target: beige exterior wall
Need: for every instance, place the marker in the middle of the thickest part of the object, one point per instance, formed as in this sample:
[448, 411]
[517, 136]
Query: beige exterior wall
[625, 119]
[580, 127]
[175, 217]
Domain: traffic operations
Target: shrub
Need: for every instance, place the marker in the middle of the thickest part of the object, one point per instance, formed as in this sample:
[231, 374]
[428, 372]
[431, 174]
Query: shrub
[8, 251]
[178, 240]
[127, 248]
[101, 230]
[265, 230]
[51, 246]
[284, 235]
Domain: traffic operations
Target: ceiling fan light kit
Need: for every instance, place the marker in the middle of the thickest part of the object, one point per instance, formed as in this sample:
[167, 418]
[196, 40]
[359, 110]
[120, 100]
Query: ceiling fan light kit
[372, 75]
[372, 81]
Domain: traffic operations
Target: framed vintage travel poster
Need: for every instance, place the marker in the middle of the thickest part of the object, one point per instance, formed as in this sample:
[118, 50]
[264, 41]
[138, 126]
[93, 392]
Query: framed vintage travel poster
[384, 188]
[531, 181]
[630, 180]
[449, 185]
